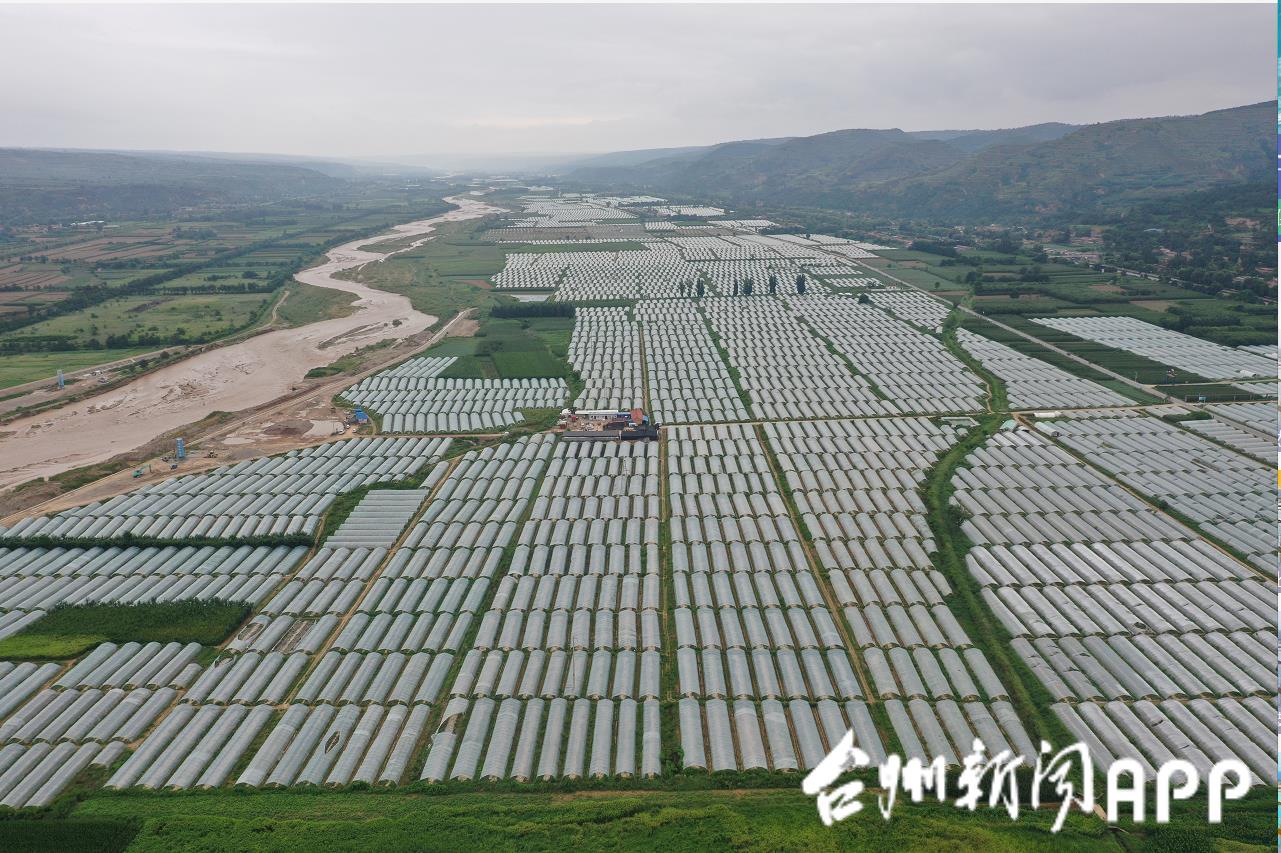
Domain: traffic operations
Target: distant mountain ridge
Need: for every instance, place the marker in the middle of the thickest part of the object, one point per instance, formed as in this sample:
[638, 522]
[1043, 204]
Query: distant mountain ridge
[1041, 170]
[42, 185]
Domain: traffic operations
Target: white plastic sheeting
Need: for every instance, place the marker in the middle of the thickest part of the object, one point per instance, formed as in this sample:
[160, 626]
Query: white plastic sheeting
[1223, 428]
[379, 518]
[605, 351]
[193, 747]
[688, 381]
[1228, 495]
[785, 371]
[912, 372]
[35, 580]
[1155, 643]
[420, 404]
[1213, 361]
[746, 735]
[1033, 384]
[538, 738]
[270, 496]
[359, 711]
[573, 625]
[916, 308]
[750, 619]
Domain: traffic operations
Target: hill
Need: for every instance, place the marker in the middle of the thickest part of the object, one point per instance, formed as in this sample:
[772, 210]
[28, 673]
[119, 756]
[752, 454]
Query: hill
[1040, 171]
[39, 185]
[1097, 168]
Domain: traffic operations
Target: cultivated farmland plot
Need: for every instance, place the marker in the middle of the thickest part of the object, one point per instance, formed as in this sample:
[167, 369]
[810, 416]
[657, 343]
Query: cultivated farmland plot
[563, 676]
[605, 350]
[411, 398]
[743, 224]
[674, 258]
[766, 624]
[1031, 383]
[1213, 361]
[272, 496]
[372, 638]
[915, 308]
[1154, 643]
[785, 371]
[911, 371]
[688, 381]
[1227, 495]
[1260, 417]
[36, 580]
[870, 537]
[733, 597]
[1226, 424]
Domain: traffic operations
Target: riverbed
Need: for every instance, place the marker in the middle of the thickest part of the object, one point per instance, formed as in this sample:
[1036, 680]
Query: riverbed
[230, 379]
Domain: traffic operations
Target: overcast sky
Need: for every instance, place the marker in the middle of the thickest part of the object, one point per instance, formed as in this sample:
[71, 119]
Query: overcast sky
[371, 81]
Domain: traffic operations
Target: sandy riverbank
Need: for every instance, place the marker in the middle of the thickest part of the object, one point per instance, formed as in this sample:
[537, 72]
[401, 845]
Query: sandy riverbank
[229, 379]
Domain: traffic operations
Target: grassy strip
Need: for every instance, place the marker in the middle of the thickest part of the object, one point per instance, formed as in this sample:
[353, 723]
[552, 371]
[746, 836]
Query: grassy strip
[1027, 694]
[66, 631]
[350, 363]
[1030, 698]
[998, 401]
[670, 821]
[537, 420]
[304, 304]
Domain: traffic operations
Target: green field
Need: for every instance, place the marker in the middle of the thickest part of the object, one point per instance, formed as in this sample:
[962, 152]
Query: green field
[158, 319]
[66, 631]
[1212, 392]
[1069, 290]
[57, 284]
[304, 304]
[745, 820]
[438, 277]
[906, 265]
[513, 349]
[32, 367]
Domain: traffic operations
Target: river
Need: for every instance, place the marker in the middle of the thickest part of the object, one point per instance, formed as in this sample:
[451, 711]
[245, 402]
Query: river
[231, 378]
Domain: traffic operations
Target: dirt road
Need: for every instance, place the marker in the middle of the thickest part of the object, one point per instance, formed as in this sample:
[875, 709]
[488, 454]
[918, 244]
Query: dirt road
[230, 379]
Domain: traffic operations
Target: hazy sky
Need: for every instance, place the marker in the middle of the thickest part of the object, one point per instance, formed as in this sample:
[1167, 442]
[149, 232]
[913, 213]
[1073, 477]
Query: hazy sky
[412, 80]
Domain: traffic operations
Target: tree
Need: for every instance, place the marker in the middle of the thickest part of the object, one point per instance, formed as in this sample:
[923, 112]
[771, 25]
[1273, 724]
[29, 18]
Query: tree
[800, 284]
[864, 299]
[747, 287]
[736, 287]
[699, 289]
[773, 284]
[680, 288]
